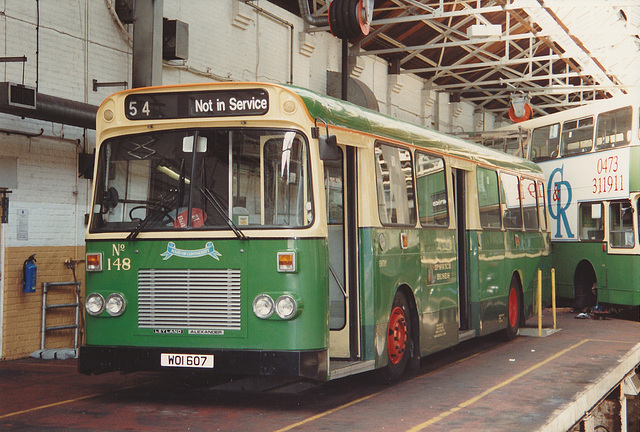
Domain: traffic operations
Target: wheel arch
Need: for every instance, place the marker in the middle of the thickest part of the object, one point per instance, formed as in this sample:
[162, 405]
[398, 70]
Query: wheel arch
[584, 279]
[415, 321]
[393, 372]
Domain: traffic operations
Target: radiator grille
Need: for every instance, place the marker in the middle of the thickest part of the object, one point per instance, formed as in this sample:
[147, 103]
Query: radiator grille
[189, 299]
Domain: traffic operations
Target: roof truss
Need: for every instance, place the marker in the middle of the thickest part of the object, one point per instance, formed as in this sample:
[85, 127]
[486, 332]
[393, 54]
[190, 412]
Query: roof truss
[533, 50]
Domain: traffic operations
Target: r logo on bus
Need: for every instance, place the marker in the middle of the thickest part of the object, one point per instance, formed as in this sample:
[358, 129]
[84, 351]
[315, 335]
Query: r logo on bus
[554, 194]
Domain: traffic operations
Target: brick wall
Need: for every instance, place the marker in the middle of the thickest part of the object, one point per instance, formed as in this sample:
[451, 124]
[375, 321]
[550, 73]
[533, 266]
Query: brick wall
[23, 311]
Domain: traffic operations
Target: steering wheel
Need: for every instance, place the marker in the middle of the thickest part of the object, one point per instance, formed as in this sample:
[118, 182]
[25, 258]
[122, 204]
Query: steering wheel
[151, 209]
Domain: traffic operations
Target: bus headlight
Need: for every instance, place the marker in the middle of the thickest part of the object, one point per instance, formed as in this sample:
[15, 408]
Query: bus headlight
[94, 304]
[286, 307]
[263, 306]
[115, 305]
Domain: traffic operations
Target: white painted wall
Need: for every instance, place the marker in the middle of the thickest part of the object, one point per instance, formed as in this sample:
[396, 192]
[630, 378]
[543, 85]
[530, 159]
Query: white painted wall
[80, 41]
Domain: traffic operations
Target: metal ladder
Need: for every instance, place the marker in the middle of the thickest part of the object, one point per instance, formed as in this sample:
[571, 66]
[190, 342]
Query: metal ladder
[45, 307]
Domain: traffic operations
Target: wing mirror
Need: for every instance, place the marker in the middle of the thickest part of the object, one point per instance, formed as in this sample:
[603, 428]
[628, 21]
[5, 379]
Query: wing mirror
[327, 144]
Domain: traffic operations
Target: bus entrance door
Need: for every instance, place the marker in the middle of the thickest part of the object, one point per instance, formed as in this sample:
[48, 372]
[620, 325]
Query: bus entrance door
[339, 208]
[459, 177]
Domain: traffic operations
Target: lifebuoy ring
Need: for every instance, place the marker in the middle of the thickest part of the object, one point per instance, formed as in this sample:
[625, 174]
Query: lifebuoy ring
[528, 112]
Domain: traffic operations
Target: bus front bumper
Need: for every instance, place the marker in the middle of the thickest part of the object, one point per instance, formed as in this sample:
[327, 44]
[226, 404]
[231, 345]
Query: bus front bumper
[311, 364]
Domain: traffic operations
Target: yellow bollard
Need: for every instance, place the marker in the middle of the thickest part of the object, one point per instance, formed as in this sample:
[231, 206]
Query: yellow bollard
[539, 302]
[553, 295]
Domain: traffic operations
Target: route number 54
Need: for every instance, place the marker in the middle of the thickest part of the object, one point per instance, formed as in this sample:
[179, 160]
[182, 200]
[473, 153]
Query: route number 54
[133, 108]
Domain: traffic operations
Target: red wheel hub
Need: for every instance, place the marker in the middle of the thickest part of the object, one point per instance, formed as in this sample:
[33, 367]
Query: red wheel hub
[397, 335]
[513, 307]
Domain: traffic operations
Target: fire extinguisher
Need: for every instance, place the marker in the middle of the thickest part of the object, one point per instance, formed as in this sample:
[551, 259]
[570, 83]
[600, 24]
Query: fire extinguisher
[29, 272]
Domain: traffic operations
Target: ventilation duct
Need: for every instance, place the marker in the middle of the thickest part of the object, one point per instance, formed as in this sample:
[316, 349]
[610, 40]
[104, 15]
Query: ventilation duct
[24, 101]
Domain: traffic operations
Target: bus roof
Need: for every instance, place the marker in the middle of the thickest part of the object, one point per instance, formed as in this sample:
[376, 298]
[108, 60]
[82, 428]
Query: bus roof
[345, 114]
[591, 108]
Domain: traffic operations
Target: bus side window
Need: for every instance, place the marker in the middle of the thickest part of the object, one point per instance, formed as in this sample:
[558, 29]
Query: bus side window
[511, 200]
[544, 142]
[529, 204]
[614, 128]
[542, 206]
[621, 233]
[488, 198]
[432, 190]
[394, 177]
[577, 136]
[591, 222]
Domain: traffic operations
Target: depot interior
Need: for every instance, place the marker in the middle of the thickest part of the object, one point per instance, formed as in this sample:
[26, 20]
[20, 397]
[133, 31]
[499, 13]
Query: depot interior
[460, 67]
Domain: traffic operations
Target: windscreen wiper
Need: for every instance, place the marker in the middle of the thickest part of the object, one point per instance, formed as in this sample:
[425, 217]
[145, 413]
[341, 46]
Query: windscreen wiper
[220, 209]
[152, 217]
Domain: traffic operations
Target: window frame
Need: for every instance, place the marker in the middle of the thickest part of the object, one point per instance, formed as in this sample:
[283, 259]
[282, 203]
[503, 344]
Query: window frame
[551, 128]
[579, 128]
[542, 217]
[536, 206]
[497, 205]
[504, 206]
[447, 223]
[412, 214]
[610, 227]
[627, 137]
[581, 226]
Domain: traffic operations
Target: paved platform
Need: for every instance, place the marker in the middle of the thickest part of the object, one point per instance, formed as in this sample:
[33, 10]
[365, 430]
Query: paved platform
[529, 384]
[536, 383]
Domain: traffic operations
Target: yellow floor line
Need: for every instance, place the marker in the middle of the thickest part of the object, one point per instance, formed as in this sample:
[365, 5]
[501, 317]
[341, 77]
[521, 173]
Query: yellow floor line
[492, 389]
[318, 416]
[331, 411]
[67, 401]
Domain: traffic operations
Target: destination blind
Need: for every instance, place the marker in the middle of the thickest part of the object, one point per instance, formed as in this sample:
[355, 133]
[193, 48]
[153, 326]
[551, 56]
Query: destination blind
[213, 103]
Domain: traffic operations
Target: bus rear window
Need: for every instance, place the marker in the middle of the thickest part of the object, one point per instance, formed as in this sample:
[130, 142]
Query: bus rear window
[614, 128]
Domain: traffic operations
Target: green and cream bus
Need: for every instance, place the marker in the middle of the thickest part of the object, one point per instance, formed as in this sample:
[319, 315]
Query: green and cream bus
[260, 229]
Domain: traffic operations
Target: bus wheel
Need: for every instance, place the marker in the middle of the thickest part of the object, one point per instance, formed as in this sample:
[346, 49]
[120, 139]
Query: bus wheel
[514, 310]
[399, 341]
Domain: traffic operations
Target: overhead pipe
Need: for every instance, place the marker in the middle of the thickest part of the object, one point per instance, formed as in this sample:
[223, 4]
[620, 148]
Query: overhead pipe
[305, 12]
[58, 110]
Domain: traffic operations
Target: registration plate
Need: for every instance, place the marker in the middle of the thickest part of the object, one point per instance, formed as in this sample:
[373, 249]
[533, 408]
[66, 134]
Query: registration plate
[187, 360]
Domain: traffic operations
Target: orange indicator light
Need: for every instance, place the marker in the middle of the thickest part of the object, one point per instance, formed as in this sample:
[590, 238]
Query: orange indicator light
[286, 261]
[94, 262]
[404, 240]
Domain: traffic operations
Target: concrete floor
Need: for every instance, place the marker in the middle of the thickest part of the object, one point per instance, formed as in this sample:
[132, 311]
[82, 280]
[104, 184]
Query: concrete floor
[528, 384]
